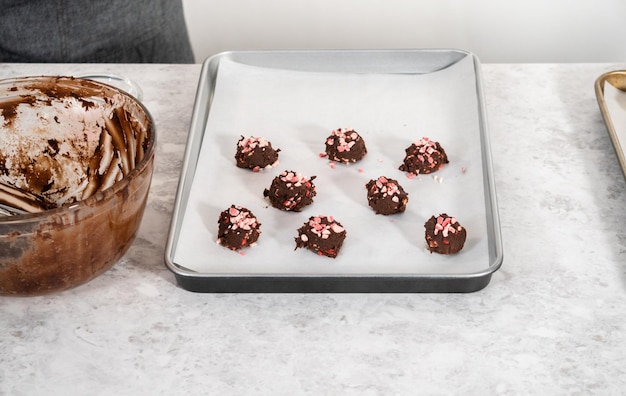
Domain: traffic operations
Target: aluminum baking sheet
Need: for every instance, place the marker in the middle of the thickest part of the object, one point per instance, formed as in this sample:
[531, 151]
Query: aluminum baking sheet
[295, 99]
[611, 95]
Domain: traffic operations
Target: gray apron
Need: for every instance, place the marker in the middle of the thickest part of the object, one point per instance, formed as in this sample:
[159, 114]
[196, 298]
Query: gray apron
[106, 31]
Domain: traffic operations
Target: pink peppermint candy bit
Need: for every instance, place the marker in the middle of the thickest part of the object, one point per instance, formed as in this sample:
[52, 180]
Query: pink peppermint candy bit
[345, 139]
[446, 226]
[337, 228]
[241, 219]
[293, 177]
[425, 149]
[387, 187]
[323, 229]
[250, 143]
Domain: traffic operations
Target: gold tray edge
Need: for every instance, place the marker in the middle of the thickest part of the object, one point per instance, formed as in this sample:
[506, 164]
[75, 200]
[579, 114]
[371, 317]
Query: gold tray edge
[616, 78]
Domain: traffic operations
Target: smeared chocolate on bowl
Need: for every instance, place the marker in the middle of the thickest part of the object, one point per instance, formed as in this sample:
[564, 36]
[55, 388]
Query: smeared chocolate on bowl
[62, 141]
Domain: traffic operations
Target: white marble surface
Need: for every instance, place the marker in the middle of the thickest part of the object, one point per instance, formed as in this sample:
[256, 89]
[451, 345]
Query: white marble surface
[552, 320]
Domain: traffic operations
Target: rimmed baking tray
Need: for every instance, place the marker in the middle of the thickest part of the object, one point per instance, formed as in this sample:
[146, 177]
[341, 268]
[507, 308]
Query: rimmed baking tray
[294, 99]
[612, 102]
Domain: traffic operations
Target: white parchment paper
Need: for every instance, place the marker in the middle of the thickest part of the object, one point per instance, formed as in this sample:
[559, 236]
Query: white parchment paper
[296, 111]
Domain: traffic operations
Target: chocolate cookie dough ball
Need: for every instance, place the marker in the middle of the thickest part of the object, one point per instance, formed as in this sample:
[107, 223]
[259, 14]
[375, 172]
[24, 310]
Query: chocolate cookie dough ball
[345, 145]
[238, 228]
[424, 156]
[322, 235]
[255, 153]
[444, 234]
[386, 196]
[290, 191]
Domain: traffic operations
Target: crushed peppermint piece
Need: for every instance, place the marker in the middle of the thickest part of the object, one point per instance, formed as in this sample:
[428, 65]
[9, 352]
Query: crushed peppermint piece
[321, 234]
[444, 234]
[445, 225]
[385, 196]
[249, 144]
[256, 154]
[424, 156]
[291, 191]
[345, 145]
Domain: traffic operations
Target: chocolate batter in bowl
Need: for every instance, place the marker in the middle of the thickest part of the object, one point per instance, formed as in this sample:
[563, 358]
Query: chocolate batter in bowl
[76, 162]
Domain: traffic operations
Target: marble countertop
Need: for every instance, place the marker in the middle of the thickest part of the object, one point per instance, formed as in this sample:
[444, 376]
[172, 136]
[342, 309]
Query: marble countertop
[551, 321]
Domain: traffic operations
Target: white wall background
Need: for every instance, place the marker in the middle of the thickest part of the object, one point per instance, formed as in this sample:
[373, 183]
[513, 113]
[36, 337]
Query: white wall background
[498, 31]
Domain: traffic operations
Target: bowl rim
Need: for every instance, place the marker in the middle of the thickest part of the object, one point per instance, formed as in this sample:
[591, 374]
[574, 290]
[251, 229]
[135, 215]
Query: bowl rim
[115, 187]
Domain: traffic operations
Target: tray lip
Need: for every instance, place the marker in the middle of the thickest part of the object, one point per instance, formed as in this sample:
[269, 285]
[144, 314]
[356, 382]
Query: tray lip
[332, 284]
[599, 90]
[236, 54]
[237, 280]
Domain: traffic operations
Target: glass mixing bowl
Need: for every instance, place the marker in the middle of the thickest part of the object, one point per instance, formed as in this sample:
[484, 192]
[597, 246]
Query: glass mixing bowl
[86, 150]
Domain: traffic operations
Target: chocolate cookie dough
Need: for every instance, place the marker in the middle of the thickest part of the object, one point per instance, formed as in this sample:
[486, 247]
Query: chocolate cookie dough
[322, 235]
[238, 228]
[444, 234]
[256, 153]
[424, 156]
[386, 196]
[290, 191]
[345, 145]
